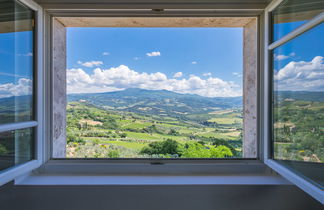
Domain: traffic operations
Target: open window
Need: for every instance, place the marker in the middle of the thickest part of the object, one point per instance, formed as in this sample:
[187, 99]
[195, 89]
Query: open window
[20, 94]
[155, 88]
[294, 70]
[287, 120]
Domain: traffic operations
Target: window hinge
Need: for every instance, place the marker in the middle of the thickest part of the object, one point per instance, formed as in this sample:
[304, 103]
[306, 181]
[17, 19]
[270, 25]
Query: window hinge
[157, 163]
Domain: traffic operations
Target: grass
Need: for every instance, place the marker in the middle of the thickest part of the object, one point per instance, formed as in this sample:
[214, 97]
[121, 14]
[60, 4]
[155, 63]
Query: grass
[127, 144]
[225, 136]
[188, 129]
[226, 121]
[136, 125]
[153, 136]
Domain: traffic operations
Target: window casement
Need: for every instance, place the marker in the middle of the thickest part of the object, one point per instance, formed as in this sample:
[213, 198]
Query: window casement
[56, 156]
[264, 57]
[293, 129]
[21, 125]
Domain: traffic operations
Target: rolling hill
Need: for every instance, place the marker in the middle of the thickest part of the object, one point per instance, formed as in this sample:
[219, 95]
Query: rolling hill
[157, 101]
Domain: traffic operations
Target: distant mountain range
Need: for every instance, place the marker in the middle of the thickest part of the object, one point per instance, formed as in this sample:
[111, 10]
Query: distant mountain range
[15, 108]
[300, 95]
[156, 101]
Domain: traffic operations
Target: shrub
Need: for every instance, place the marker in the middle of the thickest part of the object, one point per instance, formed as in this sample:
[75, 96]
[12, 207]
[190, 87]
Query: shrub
[168, 146]
[196, 150]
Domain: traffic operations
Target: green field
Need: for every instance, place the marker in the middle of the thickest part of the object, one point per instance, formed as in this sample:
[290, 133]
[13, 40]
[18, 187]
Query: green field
[299, 129]
[98, 132]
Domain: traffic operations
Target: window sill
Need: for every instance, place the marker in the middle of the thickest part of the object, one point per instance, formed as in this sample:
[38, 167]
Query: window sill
[103, 172]
[47, 179]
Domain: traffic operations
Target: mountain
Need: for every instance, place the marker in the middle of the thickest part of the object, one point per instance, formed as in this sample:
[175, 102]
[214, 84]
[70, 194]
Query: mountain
[157, 101]
[16, 108]
[300, 95]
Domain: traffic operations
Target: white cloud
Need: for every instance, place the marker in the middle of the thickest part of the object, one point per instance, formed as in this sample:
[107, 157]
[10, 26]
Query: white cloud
[105, 53]
[178, 74]
[237, 74]
[121, 77]
[152, 54]
[90, 63]
[302, 75]
[26, 54]
[136, 58]
[207, 74]
[23, 87]
[194, 62]
[283, 57]
[280, 57]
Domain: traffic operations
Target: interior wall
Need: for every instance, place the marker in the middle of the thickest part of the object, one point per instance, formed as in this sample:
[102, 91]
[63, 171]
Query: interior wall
[59, 89]
[224, 197]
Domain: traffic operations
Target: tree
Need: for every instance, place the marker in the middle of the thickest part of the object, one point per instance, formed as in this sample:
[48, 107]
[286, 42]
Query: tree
[123, 135]
[196, 150]
[113, 154]
[168, 146]
[173, 132]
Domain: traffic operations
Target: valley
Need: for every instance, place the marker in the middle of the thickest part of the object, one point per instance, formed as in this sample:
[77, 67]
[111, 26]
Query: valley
[138, 123]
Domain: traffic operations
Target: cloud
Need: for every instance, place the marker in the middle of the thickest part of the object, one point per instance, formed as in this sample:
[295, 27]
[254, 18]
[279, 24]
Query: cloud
[152, 54]
[122, 77]
[302, 75]
[29, 54]
[194, 62]
[105, 53]
[283, 57]
[90, 63]
[136, 58]
[24, 86]
[12, 75]
[207, 74]
[237, 74]
[178, 74]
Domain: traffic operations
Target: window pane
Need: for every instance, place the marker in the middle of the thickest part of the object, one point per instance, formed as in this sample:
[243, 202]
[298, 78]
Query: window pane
[16, 147]
[298, 102]
[291, 14]
[16, 63]
[154, 92]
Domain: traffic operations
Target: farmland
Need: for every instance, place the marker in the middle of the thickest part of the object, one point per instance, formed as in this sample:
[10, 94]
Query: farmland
[133, 129]
[299, 126]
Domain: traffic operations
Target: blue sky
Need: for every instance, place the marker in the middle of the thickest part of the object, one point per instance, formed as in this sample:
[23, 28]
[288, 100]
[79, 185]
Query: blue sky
[216, 50]
[16, 60]
[201, 52]
[299, 63]
[204, 61]
[16, 63]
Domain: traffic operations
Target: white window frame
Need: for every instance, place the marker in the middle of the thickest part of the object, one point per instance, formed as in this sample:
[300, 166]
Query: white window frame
[69, 171]
[170, 171]
[61, 162]
[296, 179]
[11, 173]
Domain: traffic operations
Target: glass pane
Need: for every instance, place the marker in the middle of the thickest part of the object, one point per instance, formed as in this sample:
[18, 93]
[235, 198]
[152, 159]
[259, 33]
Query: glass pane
[154, 93]
[16, 63]
[291, 14]
[298, 100]
[16, 147]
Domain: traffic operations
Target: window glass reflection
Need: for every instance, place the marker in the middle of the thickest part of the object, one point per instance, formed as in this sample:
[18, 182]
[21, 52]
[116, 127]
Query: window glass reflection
[291, 14]
[16, 63]
[298, 102]
[16, 147]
